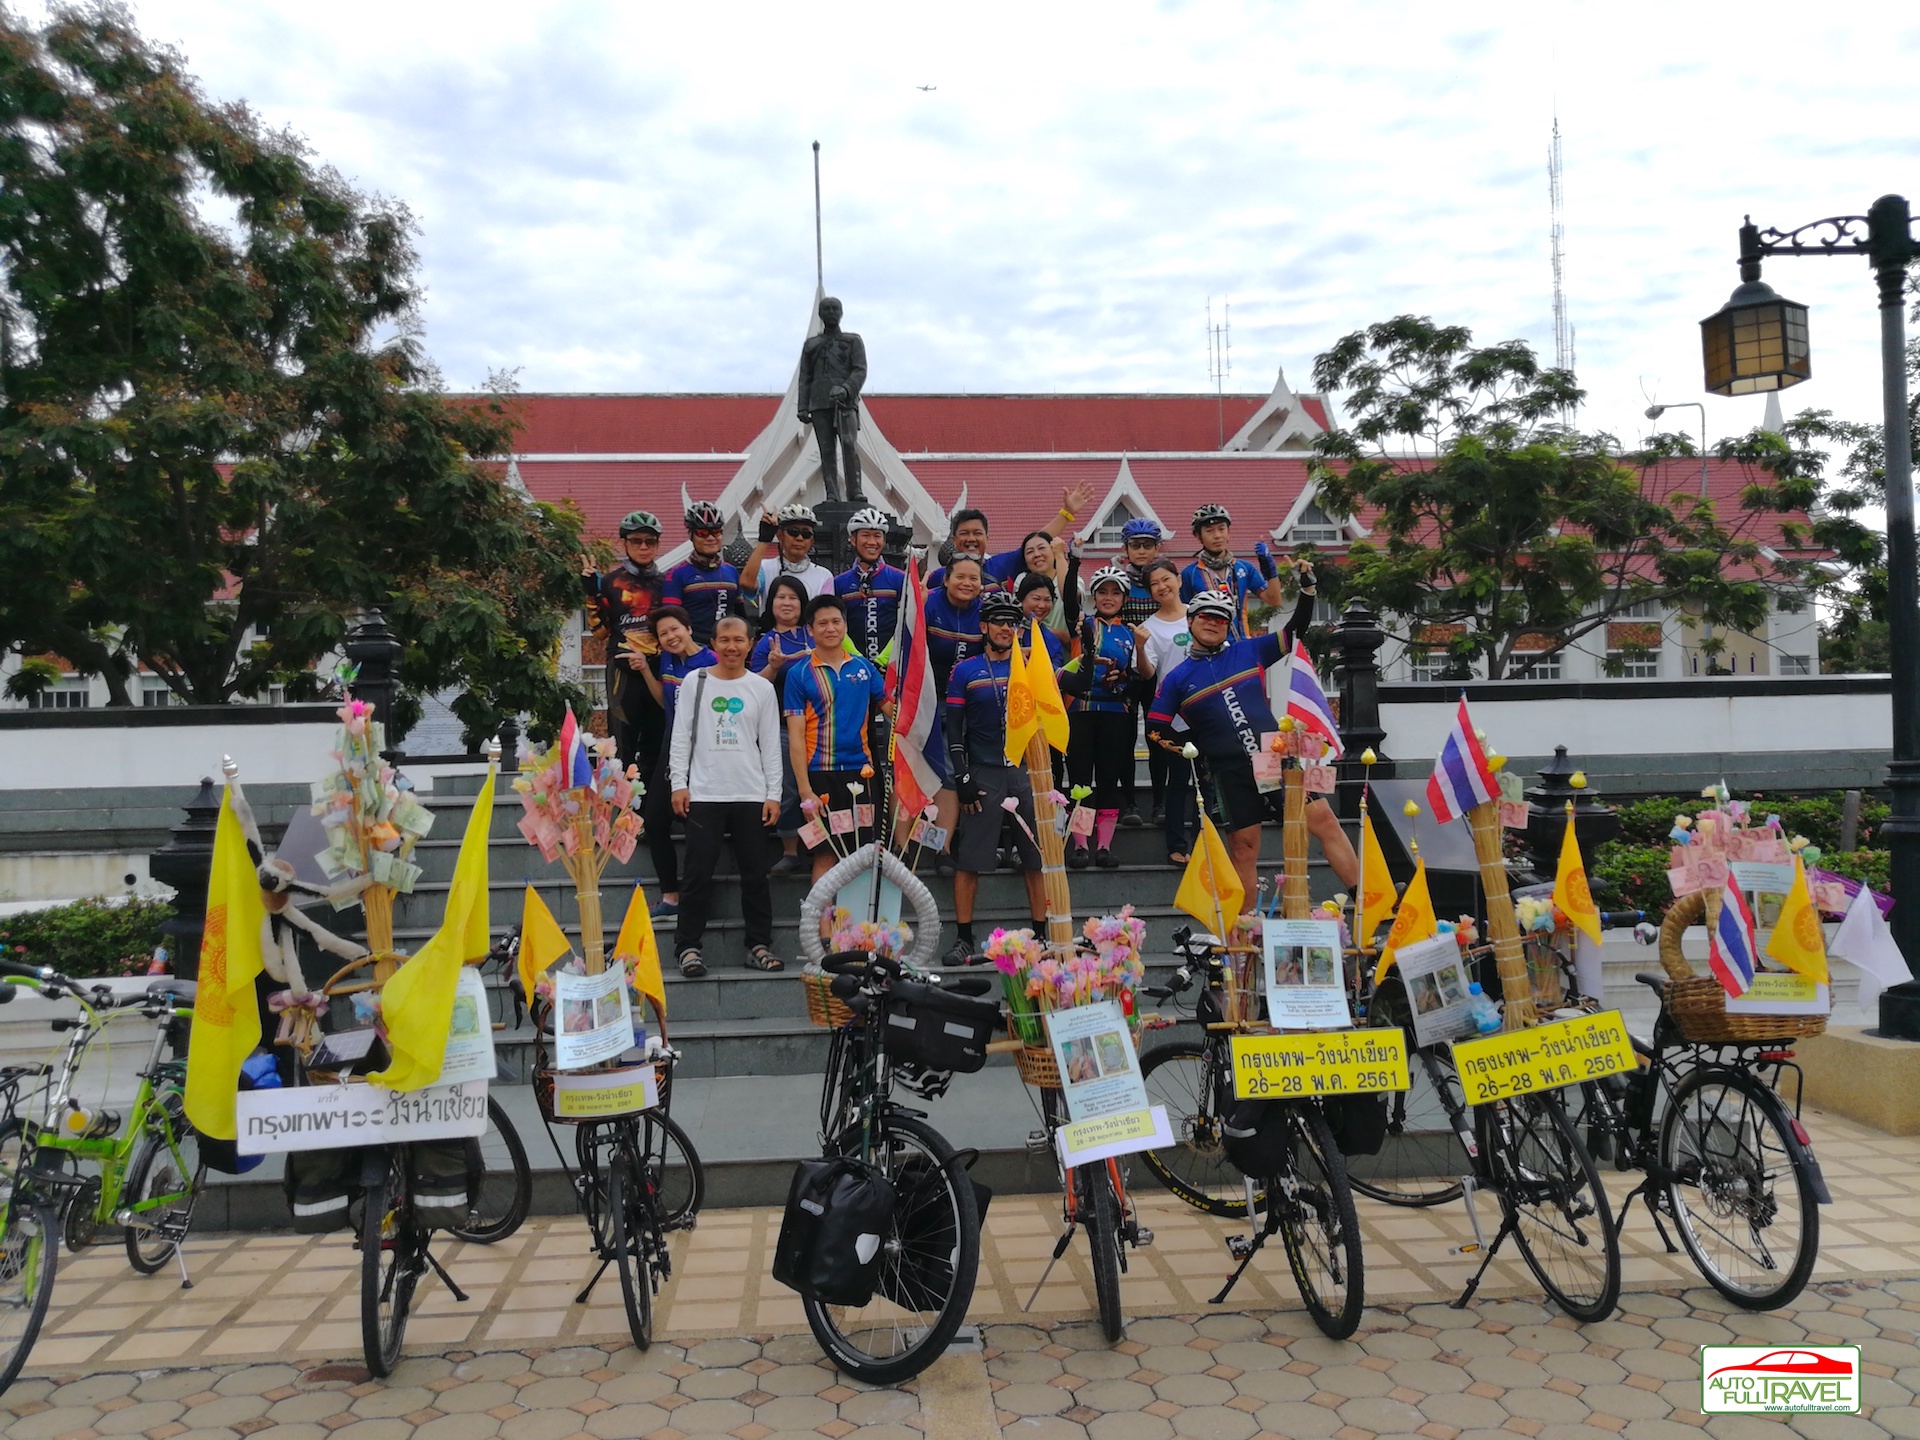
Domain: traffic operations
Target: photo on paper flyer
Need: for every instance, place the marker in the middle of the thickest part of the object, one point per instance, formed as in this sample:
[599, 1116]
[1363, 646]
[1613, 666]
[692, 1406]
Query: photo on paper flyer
[1436, 978]
[1306, 988]
[593, 1021]
[470, 1034]
[1099, 1070]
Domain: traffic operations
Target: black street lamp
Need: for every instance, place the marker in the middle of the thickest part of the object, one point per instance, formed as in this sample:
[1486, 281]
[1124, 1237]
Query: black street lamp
[1757, 342]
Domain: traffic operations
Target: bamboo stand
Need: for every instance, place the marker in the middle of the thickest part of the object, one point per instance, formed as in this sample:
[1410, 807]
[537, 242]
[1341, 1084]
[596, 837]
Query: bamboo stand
[1053, 849]
[1295, 903]
[1503, 926]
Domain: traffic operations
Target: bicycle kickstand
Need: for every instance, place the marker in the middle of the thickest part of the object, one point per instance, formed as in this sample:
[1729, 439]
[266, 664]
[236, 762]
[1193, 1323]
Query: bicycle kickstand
[1243, 1249]
[1059, 1249]
[441, 1271]
[581, 1298]
[1644, 1190]
[1509, 1225]
[180, 1259]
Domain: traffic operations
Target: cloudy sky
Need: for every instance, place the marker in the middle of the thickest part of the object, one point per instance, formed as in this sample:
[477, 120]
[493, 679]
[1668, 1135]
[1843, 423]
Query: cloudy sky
[619, 197]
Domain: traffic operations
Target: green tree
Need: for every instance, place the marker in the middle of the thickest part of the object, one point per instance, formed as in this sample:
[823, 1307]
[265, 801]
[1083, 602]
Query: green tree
[1501, 536]
[220, 436]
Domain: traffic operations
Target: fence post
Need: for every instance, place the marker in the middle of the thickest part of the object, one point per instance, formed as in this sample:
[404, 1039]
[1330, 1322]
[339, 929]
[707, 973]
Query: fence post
[186, 863]
[1356, 640]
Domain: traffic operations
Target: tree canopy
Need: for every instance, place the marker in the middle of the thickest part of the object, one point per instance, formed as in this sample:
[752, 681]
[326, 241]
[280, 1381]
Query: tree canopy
[220, 435]
[1501, 536]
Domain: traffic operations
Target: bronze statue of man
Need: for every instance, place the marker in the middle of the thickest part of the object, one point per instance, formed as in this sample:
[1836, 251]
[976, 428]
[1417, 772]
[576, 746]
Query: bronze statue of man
[833, 367]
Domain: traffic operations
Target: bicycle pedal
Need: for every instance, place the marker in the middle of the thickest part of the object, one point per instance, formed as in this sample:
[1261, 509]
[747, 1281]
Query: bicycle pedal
[1470, 1248]
[1142, 1237]
[1038, 1143]
[1239, 1247]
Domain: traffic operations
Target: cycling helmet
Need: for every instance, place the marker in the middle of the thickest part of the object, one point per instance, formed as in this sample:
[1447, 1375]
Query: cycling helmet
[1109, 575]
[869, 519]
[640, 520]
[795, 515]
[704, 515]
[1141, 530]
[1211, 602]
[997, 605]
[1207, 514]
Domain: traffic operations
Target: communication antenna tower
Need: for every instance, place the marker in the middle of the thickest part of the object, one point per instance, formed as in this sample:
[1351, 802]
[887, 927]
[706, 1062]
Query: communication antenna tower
[1563, 357]
[1220, 358]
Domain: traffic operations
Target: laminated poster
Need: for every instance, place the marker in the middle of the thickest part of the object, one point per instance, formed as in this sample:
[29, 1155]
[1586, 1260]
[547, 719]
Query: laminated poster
[1105, 1095]
[1436, 979]
[1306, 988]
[470, 1038]
[594, 1023]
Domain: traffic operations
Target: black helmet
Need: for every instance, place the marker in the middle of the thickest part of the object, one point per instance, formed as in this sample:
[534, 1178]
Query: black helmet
[997, 605]
[1207, 515]
[704, 515]
[639, 520]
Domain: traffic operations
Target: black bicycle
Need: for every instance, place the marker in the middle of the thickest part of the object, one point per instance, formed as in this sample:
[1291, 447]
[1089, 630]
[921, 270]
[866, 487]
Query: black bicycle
[29, 1231]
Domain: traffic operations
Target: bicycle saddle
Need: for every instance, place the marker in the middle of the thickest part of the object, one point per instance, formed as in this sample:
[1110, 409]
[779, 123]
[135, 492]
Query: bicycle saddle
[172, 989]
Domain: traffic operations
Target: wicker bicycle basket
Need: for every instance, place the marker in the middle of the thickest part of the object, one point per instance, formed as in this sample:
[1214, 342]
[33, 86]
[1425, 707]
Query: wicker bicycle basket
[1698, 1003]
[824, 1008]
[1036, 1066]
[543, 1071]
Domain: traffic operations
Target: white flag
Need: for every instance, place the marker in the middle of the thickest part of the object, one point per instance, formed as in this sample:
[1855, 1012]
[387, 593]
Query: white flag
[1864, 939]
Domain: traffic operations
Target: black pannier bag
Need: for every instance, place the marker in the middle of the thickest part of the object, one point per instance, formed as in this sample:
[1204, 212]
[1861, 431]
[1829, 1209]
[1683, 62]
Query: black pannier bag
[834, 1233]
[1358, 1123]
[444, 1178]
[1257, 1137]
[320, 1184]
[937, 1029]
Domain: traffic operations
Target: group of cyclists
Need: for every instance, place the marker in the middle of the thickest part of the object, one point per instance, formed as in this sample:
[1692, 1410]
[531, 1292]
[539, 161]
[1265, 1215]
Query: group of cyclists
[1175, 642]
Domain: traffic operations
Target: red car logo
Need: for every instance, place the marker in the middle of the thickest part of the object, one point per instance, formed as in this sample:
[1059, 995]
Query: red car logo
[1789, 1362]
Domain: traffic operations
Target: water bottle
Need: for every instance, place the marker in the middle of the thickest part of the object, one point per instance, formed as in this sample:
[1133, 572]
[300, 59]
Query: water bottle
[1486, 1014]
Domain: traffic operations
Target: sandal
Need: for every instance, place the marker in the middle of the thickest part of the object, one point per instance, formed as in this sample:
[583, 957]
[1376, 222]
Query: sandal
[1174, 857]
[692, 967]
[761, 958]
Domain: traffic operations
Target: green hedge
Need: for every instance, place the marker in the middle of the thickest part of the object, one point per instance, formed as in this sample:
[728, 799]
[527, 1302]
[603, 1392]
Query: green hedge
[1649, 822]
[88, 937]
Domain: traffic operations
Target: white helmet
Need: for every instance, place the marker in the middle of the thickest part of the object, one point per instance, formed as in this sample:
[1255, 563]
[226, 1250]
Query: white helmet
[1211, 602]
[1109, 575]
[869, 519]
[796, 514]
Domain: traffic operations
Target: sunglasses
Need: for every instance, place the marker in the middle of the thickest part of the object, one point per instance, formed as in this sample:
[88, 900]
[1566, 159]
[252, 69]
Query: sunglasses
[707, 534]
[798, 534]
[641, 537]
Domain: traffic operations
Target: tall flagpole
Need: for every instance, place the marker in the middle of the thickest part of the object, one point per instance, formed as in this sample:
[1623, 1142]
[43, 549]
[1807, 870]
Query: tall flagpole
[819, 256]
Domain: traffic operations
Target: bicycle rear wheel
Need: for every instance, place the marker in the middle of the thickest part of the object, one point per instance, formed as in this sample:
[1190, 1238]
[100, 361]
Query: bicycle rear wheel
[629, 1219]
[1421, 1160]
[1319, 1226]
[29, 1253]
[1099, 1213]
[506, 1181]
[1550, 1186]
[1745, 1204]
[1195, 1167]
[392, 1254]
[163, 1182]
[931, 1256]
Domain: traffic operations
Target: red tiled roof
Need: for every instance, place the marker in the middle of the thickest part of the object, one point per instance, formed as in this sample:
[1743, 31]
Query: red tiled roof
[606, 490]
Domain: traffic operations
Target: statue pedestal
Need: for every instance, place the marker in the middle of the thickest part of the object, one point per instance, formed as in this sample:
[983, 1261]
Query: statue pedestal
[1866, 1076]
[832, 546]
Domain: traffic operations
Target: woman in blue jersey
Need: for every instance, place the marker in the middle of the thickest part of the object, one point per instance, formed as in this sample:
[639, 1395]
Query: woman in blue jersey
[953, 633]
[679, 653]
[1101, 722]
[782, 638]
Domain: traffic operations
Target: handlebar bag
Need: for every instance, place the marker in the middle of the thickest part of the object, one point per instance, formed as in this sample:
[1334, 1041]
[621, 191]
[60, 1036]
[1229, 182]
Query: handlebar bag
[840, 1211]
[937, 1029]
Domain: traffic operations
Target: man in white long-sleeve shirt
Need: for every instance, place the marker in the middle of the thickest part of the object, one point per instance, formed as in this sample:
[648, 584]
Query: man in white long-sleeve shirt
[724, 763]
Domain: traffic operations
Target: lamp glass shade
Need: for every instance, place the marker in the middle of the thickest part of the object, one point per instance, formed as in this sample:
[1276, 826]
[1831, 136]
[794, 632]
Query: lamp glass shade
[1757, 341]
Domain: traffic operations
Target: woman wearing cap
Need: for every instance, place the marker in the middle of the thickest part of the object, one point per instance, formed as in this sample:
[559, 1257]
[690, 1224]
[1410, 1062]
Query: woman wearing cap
[1220, 691]
[1100, 748]
[617, 607]
[780, 641]
[1159, 644]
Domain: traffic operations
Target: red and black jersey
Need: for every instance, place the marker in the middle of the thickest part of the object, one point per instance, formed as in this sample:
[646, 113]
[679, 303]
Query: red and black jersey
[619, 601]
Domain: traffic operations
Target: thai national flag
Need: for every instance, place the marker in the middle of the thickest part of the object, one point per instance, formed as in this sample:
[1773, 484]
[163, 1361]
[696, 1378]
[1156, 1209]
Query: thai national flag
[1307, 702]
[917, 769]
[1461, 777]
[576, 753]
[1731, 946]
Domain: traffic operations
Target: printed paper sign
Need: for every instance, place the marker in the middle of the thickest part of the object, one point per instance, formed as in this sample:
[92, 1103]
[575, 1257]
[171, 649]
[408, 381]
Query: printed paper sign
[1305, 987]
[470, 1040]
[1320, 780]
[1759, 879]
[1436, 980]
[1088, 1141]
[617, 1092]
[328, 1117]
[1524, 1062]
[1098, 1068]
[1775, 994]
[594, 1023]
[1354, 1062]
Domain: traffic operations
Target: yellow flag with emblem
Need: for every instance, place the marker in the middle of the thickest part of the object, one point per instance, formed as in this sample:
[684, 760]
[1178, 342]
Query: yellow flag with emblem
[416, 1005]
[226, 1016]
[1046, 691]
[1797, 941]
[636, 943]
[1570, 890]
[1210, 890]
[542, 941]
[1023, 715]
[1376, 883]
[1413, 921]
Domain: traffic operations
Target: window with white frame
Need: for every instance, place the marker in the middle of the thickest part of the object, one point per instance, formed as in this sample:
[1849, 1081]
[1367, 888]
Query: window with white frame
[1107, 536]
[1543, 669]
[1789, 602]
[1796, 664]
[1637, 666]
[155, 695]
[1315, 527]
[1640, 610]
[1427, 668]
[63, 695]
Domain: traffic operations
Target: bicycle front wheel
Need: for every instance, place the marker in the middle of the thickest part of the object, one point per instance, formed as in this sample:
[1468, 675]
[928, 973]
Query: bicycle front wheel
[680, 1184]
[630, 1224]
[1319, 1226]
[1550, 1186]
[930, 1258]
[506, 1184]
[392, 1251]
[163, 1182]
[29, 1251]
[1195, 1167]
[1099, 1212]
[1744, 1202]
[1421, 1160]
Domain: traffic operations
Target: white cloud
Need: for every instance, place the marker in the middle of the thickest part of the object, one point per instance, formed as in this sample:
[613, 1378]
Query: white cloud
[619, 197]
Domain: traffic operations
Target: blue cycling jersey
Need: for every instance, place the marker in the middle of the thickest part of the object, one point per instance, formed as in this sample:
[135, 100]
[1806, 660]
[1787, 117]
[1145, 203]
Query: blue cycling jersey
[674, 668]
[707, 591]
[1107, 691]
[953, 633]
[1223, 696]
[790, 642]
[1000, 571]
[872, 598]
[1242, 580]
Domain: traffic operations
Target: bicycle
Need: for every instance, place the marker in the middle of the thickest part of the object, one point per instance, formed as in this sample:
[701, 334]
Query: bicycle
[930, 1255]
[29, 1235]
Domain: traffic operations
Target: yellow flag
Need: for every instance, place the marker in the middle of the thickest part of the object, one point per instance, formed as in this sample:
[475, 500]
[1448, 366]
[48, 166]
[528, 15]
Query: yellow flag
[1023, 717]
[1413, 921]
[226, 1016]
[1376, 883]
[1211, 891]
[636, 940]
[541, 941]
[1797, 941]
[1570, 890]
[416, 1005]
[1046, 691]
